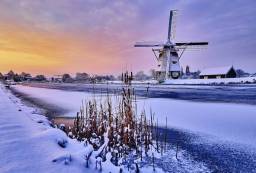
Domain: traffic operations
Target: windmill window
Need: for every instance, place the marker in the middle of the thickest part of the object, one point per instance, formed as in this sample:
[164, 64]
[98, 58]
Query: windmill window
[174, 62]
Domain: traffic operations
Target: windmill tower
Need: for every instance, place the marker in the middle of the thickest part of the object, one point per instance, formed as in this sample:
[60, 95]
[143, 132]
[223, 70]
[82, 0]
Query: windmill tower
[169, 53]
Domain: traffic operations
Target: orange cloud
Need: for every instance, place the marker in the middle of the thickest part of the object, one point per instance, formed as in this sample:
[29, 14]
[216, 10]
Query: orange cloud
[50, 38]
[24, 48]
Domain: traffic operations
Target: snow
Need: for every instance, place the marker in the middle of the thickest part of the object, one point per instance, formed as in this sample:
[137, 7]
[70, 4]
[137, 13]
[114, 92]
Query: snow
[23, 141]
[152, 81]
[233, 122]
[29, 144]
[216, 70]
[211, 81]
[170, 82]
[70, 101]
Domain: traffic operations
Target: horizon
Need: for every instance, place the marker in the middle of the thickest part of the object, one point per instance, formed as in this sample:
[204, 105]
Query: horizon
[73, 75]
[46, 37]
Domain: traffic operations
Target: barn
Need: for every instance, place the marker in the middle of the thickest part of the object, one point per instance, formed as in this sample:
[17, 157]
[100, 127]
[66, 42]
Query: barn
[219, 72]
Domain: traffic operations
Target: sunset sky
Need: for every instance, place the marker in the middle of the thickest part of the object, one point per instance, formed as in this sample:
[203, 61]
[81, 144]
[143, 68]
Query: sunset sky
[97, 36]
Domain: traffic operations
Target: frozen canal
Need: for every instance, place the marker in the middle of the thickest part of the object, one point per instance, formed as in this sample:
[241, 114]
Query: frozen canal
[220, 133]
[204, 93]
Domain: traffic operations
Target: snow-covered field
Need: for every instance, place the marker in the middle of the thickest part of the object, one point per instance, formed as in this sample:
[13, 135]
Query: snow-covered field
[232, 122]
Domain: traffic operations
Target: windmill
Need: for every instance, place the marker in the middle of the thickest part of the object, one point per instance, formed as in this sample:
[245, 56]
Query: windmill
[168, 54]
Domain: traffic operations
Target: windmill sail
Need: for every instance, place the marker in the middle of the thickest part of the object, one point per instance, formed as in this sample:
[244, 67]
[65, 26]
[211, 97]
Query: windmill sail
[148, 44]
[172, 24]
[167, 53]
[191, 45]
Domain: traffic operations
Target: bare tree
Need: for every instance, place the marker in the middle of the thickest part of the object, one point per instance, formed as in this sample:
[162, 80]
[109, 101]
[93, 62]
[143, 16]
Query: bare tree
[67, 78]
[141, 76]
[82, 77]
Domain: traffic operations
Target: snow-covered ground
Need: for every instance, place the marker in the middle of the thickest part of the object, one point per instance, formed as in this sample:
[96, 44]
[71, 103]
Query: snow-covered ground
[232, 122]
[212, 81]
[29, 144]
[194, 81]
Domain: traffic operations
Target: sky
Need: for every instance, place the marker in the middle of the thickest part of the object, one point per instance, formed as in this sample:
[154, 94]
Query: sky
[97, 36]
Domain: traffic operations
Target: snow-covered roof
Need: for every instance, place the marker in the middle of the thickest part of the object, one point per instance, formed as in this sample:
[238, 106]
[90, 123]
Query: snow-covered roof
[216, 70]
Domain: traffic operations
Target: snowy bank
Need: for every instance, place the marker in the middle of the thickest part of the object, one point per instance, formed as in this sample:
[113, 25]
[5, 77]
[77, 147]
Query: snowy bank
[211, 81]
[29, 144]
[237, 80]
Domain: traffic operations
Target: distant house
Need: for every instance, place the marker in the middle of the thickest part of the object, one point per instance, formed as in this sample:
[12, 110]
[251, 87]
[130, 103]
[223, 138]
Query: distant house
[25, 76]
[219, 72]
[56, 78]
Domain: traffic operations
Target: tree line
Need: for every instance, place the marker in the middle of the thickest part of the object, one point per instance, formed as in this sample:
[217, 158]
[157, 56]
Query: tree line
[67, 78]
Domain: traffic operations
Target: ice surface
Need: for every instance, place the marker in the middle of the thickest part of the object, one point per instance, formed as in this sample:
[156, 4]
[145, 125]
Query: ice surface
[235, 122]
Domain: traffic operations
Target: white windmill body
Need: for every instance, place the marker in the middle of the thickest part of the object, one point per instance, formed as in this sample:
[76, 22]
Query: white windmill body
[169, 55]
[168, 64]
